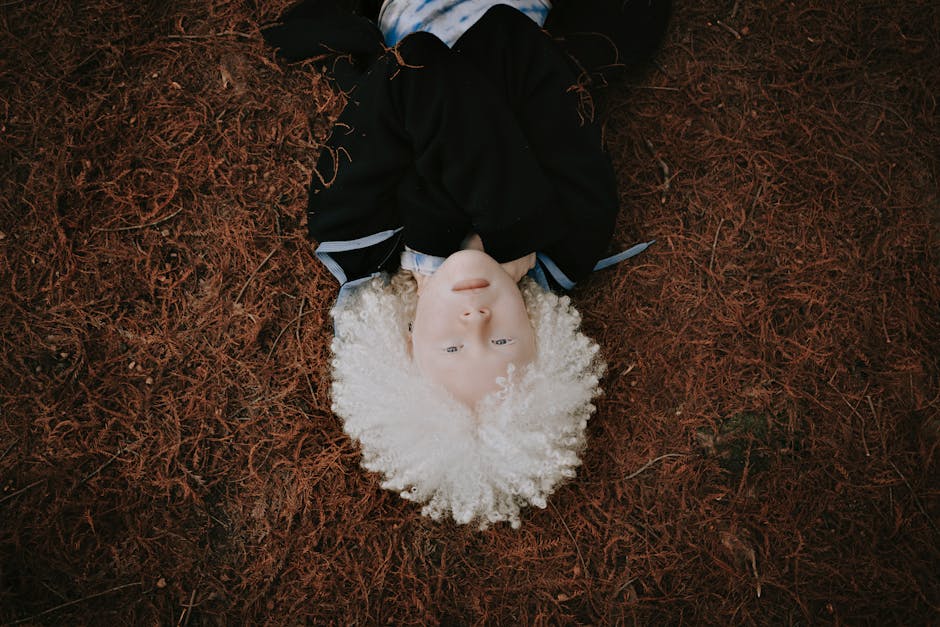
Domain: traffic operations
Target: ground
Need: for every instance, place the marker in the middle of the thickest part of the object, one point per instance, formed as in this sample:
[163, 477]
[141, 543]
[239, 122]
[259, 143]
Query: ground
[766, 450]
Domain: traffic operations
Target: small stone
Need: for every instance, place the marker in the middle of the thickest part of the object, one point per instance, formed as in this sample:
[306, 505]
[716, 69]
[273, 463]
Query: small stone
[161, 583]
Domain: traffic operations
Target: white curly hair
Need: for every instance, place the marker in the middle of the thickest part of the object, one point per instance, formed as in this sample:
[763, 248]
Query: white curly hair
[477, 466]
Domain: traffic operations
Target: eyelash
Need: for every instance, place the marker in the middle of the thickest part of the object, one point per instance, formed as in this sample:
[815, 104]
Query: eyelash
[500, 341]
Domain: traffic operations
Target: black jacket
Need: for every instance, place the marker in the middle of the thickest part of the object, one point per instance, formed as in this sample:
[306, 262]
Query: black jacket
[489, 137]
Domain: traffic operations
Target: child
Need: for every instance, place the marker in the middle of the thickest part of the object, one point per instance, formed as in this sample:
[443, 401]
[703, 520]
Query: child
[464, 161]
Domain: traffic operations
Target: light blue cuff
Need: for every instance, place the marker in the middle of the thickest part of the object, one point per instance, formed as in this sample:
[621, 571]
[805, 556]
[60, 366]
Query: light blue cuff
[420, 262]
[546, 263]
[325, 251]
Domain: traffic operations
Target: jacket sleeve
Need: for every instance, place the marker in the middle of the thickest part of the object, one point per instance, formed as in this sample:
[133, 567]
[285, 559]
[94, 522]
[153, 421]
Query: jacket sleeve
[353, 192]
[540, 86]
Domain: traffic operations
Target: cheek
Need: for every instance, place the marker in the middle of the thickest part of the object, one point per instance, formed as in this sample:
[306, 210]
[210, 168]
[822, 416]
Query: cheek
[528, 347]
[423, 352]
[526, 352]
[523, 328]
[430, 309]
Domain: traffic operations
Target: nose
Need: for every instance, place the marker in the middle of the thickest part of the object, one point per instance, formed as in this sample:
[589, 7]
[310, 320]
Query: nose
[475, 314]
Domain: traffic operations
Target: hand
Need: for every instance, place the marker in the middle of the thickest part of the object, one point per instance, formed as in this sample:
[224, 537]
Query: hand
[472, 242]
[519, 267]
[516, 268]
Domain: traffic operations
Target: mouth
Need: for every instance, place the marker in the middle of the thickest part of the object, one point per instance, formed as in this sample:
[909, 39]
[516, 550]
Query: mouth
[470, 284]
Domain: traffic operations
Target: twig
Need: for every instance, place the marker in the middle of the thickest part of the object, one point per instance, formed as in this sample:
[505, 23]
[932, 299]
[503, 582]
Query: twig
[219, 34]
[241, 292]
[650, 464]
[881, 433]
[400, 60]
[186, 610]
[885, 107]
[577, 548]
[9, 448]
[884, 314]
[102, 466]
[667, 179]
[313, 394]
[653, 87]
[871, 178]
[855, 411]
[715, 244]
[917, 502]
[300, 313]
[728, 28]
[760, 192]
[734, 9]
[862, 431]
[140, 226]
[21, 490]
[287, 326]
[75, 602]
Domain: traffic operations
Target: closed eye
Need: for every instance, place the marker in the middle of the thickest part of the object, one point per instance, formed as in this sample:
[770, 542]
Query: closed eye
[502, 341]
[453, 348]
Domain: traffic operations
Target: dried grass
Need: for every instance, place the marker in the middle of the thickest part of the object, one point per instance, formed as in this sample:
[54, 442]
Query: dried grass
[767, 447]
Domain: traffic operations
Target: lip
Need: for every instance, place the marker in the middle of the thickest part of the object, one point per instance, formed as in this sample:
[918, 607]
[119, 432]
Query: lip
[470, 284]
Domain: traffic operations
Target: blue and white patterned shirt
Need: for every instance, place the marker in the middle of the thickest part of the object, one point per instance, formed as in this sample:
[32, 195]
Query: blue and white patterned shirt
[420, 262]
[446, 19]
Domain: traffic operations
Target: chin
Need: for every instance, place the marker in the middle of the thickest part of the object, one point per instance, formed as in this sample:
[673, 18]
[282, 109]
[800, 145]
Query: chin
[479, 466]
[468, 264]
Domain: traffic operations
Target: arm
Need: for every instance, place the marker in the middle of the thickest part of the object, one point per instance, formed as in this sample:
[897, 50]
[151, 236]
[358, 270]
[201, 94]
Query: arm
[472, 160]
[539, 84]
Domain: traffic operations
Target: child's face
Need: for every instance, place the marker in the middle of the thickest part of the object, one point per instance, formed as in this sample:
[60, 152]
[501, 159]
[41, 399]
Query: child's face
[470, 324]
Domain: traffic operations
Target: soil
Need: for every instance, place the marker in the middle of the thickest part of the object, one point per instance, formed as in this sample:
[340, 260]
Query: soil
[766, 450]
